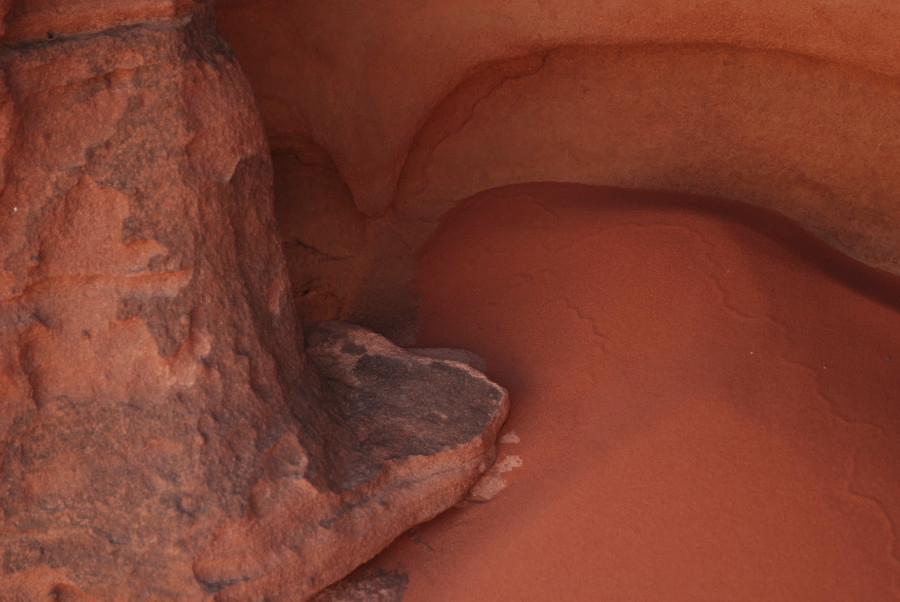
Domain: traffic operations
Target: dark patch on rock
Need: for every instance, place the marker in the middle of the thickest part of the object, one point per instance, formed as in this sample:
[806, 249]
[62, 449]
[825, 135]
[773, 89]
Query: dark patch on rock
[366, 585]
[394, 403]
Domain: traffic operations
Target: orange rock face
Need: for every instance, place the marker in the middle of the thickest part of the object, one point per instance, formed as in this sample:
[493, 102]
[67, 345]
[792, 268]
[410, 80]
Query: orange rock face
[405, 108]
[385, 116]
[162, 435]
[167, 432]
[145, 320]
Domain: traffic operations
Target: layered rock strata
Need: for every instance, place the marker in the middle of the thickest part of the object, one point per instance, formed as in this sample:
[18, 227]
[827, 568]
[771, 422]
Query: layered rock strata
[162, 434]
[417, 106]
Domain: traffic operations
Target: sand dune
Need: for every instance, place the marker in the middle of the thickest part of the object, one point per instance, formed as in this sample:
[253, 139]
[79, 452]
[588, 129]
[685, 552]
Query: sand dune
[705, 400]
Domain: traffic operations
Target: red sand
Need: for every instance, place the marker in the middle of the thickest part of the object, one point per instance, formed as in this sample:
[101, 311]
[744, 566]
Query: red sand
[707, 401]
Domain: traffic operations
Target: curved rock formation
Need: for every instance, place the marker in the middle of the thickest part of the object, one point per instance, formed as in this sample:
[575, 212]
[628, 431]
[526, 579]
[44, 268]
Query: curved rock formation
[416, 106]
[162, 434]
[165, 429]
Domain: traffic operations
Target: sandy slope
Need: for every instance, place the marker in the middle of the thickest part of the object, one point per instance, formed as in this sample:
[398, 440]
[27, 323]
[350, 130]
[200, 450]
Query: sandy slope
[707, 404]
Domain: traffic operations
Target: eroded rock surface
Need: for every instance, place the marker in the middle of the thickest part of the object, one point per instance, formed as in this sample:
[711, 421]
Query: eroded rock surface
[417, 106]
[161, 433]
[418, 434]
[366, 585]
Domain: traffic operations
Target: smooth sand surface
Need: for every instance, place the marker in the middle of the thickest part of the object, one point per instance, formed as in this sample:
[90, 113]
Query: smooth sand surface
[706, 403]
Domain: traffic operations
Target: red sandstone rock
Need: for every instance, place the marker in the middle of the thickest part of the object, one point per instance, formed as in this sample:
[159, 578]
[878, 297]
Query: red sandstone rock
[366, 585]
[161, 435]
[416, 106]
[418, 434]
[160, 430]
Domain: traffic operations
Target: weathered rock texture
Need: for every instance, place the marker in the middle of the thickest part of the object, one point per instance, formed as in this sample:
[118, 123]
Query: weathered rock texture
[416, 434]
[161, 433]
[366, 585]
[793, 106]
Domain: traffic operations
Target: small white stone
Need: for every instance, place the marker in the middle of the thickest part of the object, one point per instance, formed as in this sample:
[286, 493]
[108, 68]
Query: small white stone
[510, 437]
[491, 483]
